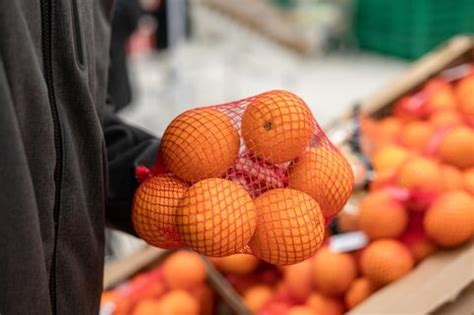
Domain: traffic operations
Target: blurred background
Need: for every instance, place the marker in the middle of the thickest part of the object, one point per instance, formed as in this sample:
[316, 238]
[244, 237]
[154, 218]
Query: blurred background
[168, 56]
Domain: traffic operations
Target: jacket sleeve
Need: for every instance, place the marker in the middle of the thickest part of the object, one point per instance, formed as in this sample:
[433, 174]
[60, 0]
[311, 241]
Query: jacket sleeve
[127, 147]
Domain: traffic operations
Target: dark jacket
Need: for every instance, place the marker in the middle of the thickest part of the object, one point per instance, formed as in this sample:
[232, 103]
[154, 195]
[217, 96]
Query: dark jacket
[56, 140]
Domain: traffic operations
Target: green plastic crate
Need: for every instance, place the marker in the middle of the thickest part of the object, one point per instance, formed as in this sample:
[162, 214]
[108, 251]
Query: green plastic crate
[411, 28]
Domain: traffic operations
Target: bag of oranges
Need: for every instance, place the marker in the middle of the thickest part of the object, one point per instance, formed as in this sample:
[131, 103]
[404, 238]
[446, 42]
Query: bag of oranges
[255, 176]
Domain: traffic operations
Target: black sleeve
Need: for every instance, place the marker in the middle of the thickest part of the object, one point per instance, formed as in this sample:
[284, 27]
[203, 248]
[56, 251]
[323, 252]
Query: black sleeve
[127, 147]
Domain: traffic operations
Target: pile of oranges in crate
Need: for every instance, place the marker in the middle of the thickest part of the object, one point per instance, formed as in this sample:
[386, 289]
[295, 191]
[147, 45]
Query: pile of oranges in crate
[177, 286]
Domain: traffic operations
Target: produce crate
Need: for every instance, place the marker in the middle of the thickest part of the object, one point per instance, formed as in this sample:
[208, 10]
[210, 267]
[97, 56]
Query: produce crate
[119, 271]
[411, 28]
[444, 282]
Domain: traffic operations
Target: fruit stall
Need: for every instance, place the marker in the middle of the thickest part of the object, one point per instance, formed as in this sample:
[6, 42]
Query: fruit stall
[402, 244]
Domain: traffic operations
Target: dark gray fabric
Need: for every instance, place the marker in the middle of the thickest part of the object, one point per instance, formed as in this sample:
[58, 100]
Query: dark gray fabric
[48, 267]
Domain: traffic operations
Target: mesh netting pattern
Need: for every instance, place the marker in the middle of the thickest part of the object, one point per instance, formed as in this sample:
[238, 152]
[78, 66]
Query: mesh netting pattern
[290, 227]
[256, 175]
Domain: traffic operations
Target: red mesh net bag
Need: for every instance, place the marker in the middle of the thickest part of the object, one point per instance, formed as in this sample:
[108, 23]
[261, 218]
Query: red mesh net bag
[255, 176]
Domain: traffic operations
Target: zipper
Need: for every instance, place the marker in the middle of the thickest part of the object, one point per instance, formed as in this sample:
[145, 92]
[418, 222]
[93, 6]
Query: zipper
[77, 34]
[47, 40]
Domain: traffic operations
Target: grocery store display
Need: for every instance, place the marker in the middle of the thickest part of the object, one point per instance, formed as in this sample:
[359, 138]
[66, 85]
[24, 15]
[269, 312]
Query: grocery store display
[419, 201]
[256, 176]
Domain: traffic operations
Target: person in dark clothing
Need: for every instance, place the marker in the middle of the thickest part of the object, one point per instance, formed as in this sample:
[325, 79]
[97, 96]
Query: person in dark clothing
[126, 15]
[60, 145]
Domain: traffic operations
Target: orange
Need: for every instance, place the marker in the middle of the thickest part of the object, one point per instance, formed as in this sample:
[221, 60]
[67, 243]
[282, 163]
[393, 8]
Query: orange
[333, 272]
[239, 264]
[178, 302]
[277, 126]
[469, 180]
[184, 270]
[301, 310]
[381, 216]
[200, 143]
[389, 158]
[386, 260]
[360, 289]
[257, 296]
[440, 96]
[465, 94]
[204, 295]
[297, 280]
[107, 297]
[325, 175]
[154, 210]
[445, 118]
[147, 307]
[420, 173]
[389, 129]
[216, 217]
[323, 304]
[290, 227]
[457, 148]
[450, 219]
[416, 135]
[452, 177]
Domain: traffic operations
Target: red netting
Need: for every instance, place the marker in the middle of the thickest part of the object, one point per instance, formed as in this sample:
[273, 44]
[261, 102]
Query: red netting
[257, 176]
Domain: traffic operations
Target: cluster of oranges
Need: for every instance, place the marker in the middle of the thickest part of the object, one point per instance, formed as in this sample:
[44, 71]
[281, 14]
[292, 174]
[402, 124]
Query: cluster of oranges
[256, 176]
[422, 196]
[176, 287]
[328, 283]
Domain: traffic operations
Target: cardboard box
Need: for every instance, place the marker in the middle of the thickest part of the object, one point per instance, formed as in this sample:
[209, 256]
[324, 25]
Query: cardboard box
[444, 282]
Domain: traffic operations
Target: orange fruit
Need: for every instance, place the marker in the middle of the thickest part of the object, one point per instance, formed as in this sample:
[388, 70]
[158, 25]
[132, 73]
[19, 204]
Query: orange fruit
[457, 147]
[277, 126]
[450, 219]
[301, 310]
[147, 307]
[420, 173]
[445, 118]
[389, 158]
[178, 302]
[469, 180]
[440, 96]
[216, 217]
[452, 177]
[184, 270]
[290, 227]
[416, 135]
[200, 143]
[381, 216]
[465, 94]
[389, 129]
[239, 264]
[325, 175]
[323, 304]
[333, 272]
[205, 297]
[154, 210]
[297, 280]
[107, 297]
[360, 289]
[257, 296]
[386, 260]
